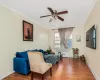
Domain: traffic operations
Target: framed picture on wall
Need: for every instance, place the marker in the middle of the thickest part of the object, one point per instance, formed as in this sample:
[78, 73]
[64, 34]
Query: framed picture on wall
[78, 38]
[27, 31]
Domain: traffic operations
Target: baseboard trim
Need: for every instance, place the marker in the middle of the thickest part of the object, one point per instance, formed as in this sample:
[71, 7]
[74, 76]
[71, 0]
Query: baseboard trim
[4, 76]
[93, 72]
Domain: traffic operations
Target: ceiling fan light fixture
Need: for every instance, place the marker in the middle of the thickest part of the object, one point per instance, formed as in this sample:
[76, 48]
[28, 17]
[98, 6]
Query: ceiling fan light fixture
[55, 14]
[52, 18]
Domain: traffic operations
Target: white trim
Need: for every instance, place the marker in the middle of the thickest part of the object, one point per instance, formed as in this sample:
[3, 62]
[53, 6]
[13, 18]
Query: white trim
[93, 72]
[3, 76]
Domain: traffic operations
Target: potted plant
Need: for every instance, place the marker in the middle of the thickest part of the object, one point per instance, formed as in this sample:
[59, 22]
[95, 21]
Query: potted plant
[75, 50]
[49, 50]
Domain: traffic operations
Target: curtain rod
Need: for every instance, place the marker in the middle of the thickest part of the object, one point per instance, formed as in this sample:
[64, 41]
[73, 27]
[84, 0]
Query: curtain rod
[68, 27]
[54, 29]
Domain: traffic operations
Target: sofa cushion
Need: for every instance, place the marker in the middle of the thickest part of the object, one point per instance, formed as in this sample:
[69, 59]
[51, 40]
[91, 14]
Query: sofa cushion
[22, 54]
[42, 51]
[35, 50]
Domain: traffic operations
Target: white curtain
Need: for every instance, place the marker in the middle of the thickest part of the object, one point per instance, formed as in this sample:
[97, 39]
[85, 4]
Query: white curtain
[65, 34]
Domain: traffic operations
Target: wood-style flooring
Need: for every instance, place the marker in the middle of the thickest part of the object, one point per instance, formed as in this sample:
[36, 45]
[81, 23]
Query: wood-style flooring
[66, 69]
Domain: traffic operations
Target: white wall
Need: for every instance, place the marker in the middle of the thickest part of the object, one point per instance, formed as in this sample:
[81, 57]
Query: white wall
[78, 31]
[11, 39]
[51, 38]
[92, 55]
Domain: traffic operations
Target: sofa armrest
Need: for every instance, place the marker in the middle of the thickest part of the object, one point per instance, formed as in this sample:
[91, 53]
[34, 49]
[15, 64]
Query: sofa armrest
[21, 65]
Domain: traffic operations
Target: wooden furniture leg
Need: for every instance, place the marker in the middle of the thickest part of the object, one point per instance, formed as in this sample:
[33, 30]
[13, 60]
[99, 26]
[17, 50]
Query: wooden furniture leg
[50, 71]
[31, 75]
[43, 77]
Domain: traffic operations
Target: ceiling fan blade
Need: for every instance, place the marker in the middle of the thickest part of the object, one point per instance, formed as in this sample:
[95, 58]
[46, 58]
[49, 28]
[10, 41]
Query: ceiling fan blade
[62, 12]
[60, 18]
[44, 16]
[50, 9]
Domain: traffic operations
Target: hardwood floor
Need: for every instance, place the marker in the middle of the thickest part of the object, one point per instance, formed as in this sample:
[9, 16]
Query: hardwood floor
[66, 69]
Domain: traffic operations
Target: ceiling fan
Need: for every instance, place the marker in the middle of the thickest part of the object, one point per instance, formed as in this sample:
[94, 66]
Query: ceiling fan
[55, 14]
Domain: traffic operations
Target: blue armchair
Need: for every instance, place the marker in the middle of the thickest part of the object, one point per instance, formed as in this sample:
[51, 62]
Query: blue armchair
[21, 63]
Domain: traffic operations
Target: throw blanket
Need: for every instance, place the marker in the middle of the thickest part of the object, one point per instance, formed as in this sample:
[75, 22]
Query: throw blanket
[50, 58]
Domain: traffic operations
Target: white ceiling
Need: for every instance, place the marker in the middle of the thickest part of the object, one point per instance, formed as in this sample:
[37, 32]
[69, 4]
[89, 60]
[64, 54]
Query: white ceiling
[79, 11]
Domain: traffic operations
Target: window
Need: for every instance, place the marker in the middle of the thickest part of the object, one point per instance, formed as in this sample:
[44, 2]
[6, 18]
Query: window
[56, 40]
[70, 36]
[69, 42]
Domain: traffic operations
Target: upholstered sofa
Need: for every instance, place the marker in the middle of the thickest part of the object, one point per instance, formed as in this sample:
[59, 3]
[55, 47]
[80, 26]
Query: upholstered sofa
[21, 61]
